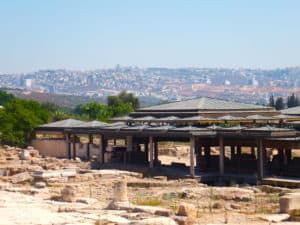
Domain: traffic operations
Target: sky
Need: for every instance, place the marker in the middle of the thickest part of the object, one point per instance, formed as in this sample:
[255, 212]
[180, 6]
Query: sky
[95, 34]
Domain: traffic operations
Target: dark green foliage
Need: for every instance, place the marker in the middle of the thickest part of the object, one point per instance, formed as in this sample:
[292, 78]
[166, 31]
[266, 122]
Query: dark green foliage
[5, 98]
[18, 119]
[57, 112]
[124, 98]
[272, 101]
[94, 111]
[293, 101]
[279, 104]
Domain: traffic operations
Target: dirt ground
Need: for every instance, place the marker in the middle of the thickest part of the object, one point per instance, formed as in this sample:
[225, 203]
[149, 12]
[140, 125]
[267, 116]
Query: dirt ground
[31, 193]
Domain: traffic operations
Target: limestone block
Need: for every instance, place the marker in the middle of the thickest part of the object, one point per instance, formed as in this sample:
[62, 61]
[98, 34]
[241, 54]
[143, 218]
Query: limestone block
[188, 210]
[21, 178]
[68, 193]
[289, 202]
[25, 155]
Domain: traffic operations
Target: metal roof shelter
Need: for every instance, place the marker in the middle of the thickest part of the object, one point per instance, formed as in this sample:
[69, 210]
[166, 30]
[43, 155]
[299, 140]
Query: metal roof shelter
[295, 111]
[204, 122]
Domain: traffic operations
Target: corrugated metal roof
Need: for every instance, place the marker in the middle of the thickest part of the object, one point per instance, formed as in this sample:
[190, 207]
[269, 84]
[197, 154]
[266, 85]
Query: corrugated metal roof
[94, 123]
[205, 104]
[259, 117]
[291, 111]
[68, 123]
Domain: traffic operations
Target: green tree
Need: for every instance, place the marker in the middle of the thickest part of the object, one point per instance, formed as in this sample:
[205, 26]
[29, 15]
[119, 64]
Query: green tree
[293, 101]
[272, 101]
[18, 119]
[121, 109]
[279, 103]
[95, 111]
[124, 97]
[5, 98]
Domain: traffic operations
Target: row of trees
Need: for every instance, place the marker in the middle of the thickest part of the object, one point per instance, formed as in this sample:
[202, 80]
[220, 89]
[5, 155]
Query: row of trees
[279, 103]
[19, 117]
[118, 105]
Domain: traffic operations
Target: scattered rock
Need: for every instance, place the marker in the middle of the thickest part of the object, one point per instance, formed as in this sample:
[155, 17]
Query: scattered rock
[21, 178]
[40, 184]
[68, 193]
[77, 159]
[156, 221]
[235, 206]
[65, 209]
[295, 215]
[25, 155]
[111, 220]
[152, 210]
[120, 192]
[89, 201]
[273, 189]
[183, 220]
[162, 178]
[5, 185]
[289, 202]
[188, 210]
[34, 153]
[275, 218]
[218, 205]
[243, 198]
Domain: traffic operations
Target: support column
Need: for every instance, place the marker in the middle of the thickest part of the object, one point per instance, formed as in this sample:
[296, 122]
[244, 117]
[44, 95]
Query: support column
[101, 149]
[253, 151]
[207, 156]
[239, 151]
[221, 156]
[129, 148]
[88, 152]
[68, 146]
[74, 146]
[192, 156]
[260, 155]
[129, 143]
[155, 152]
[232, 152]
[146, 147]
[151, 149]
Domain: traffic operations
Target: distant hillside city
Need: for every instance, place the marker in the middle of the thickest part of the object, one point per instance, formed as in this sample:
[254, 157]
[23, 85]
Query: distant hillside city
[162, 84]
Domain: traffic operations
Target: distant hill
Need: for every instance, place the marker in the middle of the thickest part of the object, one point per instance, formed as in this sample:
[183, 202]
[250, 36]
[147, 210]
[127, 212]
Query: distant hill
[70, 101]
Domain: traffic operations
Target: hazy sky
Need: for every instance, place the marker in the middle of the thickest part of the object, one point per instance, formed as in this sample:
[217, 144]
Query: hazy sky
[87, 34]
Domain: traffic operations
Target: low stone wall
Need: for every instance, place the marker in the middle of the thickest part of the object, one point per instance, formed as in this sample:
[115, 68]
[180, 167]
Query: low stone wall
[58, 148]
[52, 148]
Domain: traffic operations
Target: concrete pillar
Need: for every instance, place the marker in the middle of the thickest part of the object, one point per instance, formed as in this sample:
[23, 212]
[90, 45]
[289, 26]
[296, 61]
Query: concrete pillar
[260, 159]
[207, 156]
[239, 151]
[68, 146]
[101, 149]
[289, 154]
[221, 156]
[192, 156]
[252, 151]
[151, 149]
[88, 152]
[129, 144]
[156, 151]
[74, 146]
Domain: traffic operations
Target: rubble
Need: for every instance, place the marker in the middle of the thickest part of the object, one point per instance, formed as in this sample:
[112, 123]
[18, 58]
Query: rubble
[290, 201]
[21, 178]
[69, 192]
